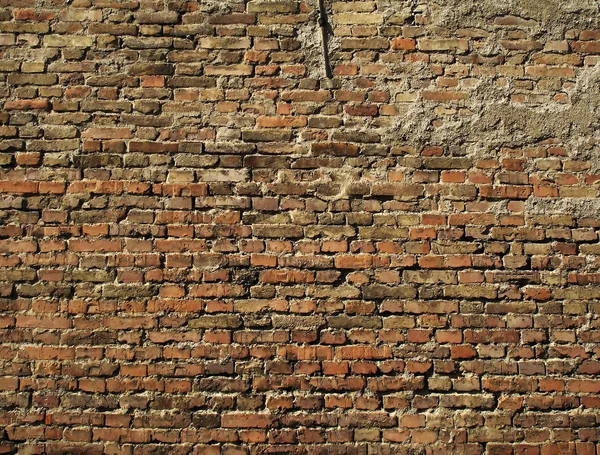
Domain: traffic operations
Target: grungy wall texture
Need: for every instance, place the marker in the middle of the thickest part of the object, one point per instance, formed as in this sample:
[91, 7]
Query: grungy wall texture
[208, 247]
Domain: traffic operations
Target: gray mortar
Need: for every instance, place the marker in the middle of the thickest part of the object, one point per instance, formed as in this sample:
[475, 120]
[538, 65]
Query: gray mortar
[578, 207]
[550, 15]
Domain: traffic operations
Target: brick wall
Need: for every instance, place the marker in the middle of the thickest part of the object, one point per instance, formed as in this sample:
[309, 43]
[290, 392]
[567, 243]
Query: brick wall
[209, 247]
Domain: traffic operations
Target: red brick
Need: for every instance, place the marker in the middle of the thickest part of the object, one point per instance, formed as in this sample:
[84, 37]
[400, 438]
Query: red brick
[405, 44]
[25, 105]
[242, 420]
[208, 246]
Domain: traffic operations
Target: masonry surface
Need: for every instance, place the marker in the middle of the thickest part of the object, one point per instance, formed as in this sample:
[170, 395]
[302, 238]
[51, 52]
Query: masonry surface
[209, 247]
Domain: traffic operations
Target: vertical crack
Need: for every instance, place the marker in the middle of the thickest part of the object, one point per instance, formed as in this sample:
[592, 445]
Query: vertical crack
[325, 30]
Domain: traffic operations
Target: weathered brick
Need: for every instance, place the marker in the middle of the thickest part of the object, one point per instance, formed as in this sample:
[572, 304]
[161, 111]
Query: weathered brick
[246, 420]
[207, 245]
[430, 276]
[32, 79]
[334, 149]
[358, 18]
[266, 135]
[159, 17]
[217, 321]
[225, 43]
[140, 69]
[23, 105]
[273, 6]
[68, 40]
[443, 45]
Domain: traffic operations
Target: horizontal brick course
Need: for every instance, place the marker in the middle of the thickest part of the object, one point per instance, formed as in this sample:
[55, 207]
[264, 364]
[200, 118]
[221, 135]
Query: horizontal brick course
[209, 247]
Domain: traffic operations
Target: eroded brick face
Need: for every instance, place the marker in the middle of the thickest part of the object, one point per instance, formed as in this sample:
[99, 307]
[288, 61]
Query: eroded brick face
[208, 247]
